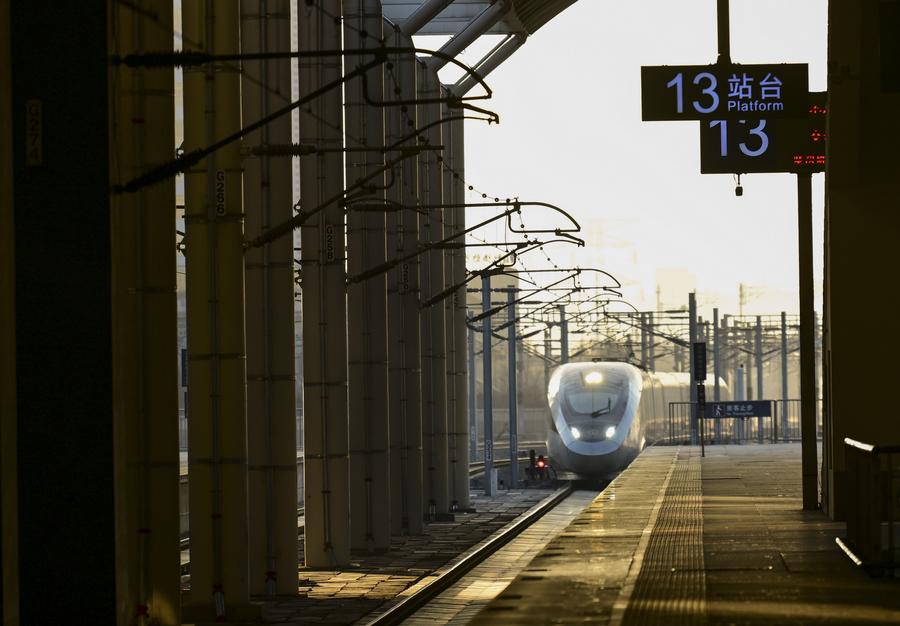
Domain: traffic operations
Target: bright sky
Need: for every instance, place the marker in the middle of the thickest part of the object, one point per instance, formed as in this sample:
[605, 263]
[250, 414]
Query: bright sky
[571, 134]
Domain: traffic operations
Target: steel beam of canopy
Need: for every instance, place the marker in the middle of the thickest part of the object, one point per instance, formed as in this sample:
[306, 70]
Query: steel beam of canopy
[271, 395]
[491, 61]
[325, 423]
[370, 527]
[217, 431]
[434, 355]
[145, 368]
[472, 31]
[527, 16]
[422, 15]
[404, 315]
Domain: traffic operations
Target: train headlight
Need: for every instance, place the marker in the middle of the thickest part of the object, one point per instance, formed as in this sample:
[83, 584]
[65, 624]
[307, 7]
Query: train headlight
[610, 432]
[593, 378]
[576, 433]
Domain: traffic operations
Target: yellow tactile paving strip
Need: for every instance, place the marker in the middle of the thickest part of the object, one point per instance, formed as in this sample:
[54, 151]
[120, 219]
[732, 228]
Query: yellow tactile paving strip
[763, 560]
[580, 574]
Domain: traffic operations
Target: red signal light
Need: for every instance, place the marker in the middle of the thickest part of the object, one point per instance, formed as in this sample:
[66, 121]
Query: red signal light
[541, 463]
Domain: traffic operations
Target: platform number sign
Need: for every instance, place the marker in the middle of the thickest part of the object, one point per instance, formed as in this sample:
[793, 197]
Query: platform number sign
[724, 92]
[766, 145]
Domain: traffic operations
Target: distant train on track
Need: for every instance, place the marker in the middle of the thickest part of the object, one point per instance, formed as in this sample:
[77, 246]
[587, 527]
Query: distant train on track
[602, 414]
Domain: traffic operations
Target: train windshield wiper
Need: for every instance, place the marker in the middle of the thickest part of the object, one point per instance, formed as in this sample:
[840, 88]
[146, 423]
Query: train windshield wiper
[603, 411]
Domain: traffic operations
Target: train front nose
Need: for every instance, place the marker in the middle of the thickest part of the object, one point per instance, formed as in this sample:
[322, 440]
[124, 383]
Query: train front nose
[592, 407]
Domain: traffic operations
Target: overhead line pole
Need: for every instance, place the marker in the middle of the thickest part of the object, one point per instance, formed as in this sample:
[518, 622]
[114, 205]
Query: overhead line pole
[513, 395]
[473, 429]
[784, 376]
[807, 344]
[692, 312]
[488, 399]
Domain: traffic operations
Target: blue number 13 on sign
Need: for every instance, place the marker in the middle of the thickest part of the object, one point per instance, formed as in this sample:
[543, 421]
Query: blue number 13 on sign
[709, 90]
[758, 131]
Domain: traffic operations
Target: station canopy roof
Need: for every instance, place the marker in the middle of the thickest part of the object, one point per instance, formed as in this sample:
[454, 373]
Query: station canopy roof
[525, 16]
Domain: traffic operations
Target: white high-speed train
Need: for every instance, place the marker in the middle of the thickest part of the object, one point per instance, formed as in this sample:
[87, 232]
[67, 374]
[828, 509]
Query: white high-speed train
[602, 414]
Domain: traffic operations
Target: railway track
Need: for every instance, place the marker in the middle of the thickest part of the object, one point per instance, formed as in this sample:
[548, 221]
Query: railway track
[475, 469]
[444, 578]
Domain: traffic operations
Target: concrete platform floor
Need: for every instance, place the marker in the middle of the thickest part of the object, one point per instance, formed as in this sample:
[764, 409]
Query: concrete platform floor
[677, 539]
[371, 582]
[461, 602]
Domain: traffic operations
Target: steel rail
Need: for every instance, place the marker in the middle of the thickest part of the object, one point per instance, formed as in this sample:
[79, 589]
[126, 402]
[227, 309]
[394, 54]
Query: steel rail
[446, 576]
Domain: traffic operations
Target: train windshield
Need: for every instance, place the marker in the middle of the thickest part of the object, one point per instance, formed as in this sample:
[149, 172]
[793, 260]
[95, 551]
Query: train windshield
[594, 398]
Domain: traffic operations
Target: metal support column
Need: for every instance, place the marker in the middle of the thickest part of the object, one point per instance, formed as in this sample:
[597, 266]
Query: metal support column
[717, 365]
[325, 419]
[807, 344]
[692, 332]
[727, 358]
[404, 348]
[488, 385]
[56, 269]
[758, 358]
[370, 525]
[513, 392]
[434, 355]
[271, 393]
[9, 531]
[548, 353]
[563, 335]
[785, 394]
[818, 368]
[716, 355]
[454, 175]
[144, 327]
[724, 28]
[643, 321]
[651, 348]
[473, 413]
[217, 404]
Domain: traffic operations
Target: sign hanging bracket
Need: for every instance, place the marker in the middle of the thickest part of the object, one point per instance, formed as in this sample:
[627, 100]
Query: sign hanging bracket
[724, 31]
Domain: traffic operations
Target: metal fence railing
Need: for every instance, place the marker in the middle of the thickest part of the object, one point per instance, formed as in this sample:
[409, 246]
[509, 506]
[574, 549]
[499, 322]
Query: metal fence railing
[789, 419]
[722, 430]
[783, 425]
[873, 508]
